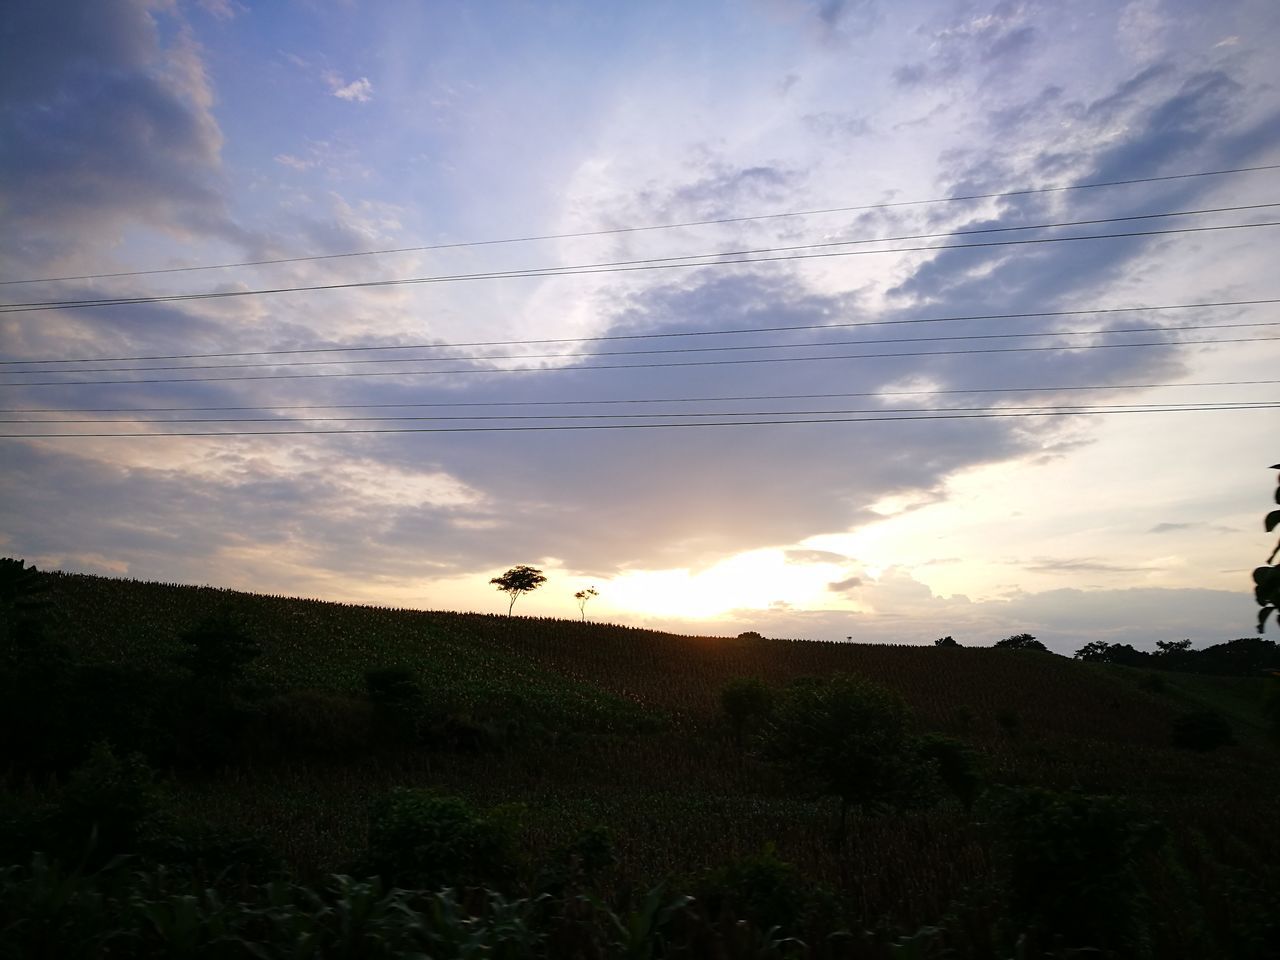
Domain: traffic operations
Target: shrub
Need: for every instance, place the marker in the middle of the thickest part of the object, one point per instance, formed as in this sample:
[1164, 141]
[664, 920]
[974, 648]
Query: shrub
[417, 838]
[217, 650]
[1069, 864]
[954, 762]
[579, 863]
[1202, 730]
[762, 889]
[745, 700]
[849, 735]
[109, 806]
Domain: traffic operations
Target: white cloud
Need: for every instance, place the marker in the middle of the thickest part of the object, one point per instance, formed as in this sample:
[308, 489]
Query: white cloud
[357, 91]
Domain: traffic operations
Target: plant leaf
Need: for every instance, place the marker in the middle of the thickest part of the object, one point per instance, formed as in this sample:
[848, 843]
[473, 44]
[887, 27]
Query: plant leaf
[1262, 618]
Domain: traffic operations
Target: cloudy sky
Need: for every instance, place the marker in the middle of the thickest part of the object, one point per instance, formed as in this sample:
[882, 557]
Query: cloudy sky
[141, 139]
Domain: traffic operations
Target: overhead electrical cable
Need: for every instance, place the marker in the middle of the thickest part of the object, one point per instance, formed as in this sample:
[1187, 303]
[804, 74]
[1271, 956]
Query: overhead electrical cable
[613, 426]
[633, 366]
[1044, 408]
[639, 229]
[660, 263]
[456, 404]
[1099, 311]
[668, 350]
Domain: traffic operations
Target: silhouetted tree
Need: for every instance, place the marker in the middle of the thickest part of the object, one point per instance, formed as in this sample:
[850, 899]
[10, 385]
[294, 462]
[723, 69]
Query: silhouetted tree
[1021, 641]
[1099, 651]
[1095, 651]
[519, 580]
[1172, 647]
[945, 642]
[583, 597]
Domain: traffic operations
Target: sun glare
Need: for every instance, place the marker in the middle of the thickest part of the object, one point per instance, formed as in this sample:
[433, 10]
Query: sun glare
[748, 581]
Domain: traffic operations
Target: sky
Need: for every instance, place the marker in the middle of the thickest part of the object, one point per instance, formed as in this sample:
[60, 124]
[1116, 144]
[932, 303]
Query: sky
[145, 139]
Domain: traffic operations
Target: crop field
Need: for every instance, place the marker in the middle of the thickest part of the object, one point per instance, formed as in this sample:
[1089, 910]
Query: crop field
[638, 744]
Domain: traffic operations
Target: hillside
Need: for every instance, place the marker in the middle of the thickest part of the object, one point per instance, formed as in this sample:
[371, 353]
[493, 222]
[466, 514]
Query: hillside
[583, 724]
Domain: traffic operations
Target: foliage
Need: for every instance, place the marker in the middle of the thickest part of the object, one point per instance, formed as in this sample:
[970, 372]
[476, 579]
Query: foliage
[851, 736]
[1021, 641]
[584, 597]
[217, 650]
[517, 581]
[1202, 730]
[1070, 863]
[679, 803]
[417, 838]
[955, 763]
[746, 701]
[761, 888]
[945, 642]
[1246, 656]
[1266, 579]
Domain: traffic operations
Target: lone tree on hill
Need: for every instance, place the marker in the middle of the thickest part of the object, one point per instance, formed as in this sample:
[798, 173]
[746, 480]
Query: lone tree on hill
[519, 580]
[583, 597]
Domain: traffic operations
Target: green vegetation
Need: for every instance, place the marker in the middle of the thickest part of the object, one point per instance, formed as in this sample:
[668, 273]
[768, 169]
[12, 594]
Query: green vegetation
[574, 784]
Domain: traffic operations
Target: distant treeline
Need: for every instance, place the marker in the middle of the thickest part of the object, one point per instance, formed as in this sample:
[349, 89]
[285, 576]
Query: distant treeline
[1247, 656]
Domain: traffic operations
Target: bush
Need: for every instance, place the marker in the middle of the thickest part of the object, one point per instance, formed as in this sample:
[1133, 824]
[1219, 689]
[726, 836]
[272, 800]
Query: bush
[419, 839]
[762, 889]
[851, 736]
[1069, 864]
[745, 700]
[955, 764]
[109, 806]
[1202, 730]
[217, 650]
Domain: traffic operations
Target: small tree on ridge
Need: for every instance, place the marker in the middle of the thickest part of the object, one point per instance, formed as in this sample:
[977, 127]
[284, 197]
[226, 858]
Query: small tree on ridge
[583, 597]
[519, 580]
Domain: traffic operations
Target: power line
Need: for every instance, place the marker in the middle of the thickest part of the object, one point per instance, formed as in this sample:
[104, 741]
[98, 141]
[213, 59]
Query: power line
[653, 263]
[630, 366]
[1099, 311]
[612, 426]
[456, 404]
[1048, 409]
[639, 229]
[668, 350]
